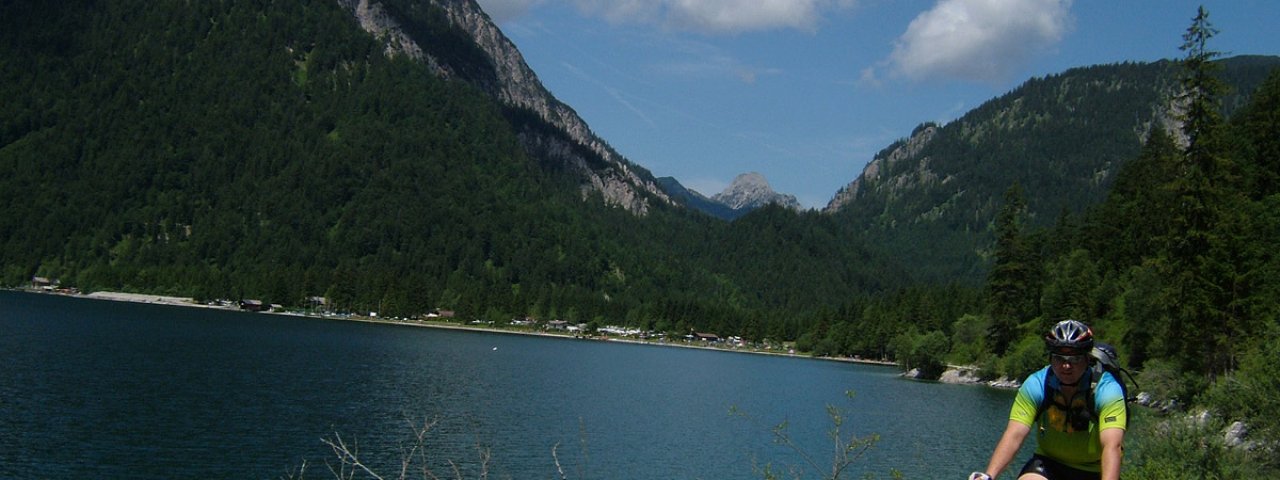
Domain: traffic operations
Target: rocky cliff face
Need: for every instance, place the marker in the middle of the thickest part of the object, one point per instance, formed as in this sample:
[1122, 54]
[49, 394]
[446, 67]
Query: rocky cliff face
[880, 165]
[374, 19]
[750, 191]
[515, 85]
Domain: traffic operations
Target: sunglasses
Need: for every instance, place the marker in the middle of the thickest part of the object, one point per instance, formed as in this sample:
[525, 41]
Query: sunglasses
[1072, 359]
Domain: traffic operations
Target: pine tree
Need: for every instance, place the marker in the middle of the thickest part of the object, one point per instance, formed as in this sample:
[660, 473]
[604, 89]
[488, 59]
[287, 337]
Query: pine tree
[1012, 286]
[1259, 124]
[1201, 97]
[1138, 207]
[1201, 261]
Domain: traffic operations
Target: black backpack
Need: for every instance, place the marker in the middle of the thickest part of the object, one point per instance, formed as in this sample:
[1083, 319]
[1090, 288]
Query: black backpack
[1103, 358]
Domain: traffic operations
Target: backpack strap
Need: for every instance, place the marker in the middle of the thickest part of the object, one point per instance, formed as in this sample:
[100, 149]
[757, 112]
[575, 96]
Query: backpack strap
[1115, 372]
[1091, 401]
[1090, 386]
[1125, 386]
[1047, 398]
[1107, 358]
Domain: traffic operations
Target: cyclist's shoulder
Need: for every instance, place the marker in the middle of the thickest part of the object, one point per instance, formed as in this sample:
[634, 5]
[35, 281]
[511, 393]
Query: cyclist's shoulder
[1109, 388]
[1038, 375]
[1035, 383]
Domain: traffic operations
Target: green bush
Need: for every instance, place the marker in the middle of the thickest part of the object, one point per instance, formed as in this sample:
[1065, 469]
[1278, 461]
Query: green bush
[1252, 393]
[1164, 379]
[1027, 356]
[969, 346]
[825, 348]
[925, 352]
[988, 367]
[1183, 448]
[806, 342]
[900, 348]
[928, 353]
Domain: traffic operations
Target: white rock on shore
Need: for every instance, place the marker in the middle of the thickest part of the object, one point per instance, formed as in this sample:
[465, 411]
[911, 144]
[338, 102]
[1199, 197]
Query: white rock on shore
[141, 298]
[961, 376]
[969, 376]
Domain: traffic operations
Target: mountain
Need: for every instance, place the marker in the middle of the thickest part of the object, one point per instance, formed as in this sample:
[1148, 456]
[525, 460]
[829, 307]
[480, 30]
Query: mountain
[457, 40]
[398, 157]
[748, 192]
[392, 156]
[695, 200]
[929, 200]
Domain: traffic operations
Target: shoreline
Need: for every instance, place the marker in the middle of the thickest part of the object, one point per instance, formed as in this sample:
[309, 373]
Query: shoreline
[139, 298]
[189, 302]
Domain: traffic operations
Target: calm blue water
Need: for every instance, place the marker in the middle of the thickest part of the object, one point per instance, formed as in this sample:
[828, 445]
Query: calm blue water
[97, 389]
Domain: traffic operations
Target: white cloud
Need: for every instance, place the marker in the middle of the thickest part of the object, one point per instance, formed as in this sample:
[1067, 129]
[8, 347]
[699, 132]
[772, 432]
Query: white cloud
[869, 78]
[982, 40]
[706, 16]
[742, 15]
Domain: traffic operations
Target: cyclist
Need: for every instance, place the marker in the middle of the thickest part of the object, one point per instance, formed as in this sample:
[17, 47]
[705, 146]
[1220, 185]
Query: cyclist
[1081, 419]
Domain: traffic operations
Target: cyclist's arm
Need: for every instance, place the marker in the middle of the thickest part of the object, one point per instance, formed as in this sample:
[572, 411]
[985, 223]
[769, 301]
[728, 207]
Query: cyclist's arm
[1112, 453]
[1008, 447]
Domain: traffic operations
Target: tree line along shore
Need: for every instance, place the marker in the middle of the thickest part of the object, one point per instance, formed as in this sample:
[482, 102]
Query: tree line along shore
[533, 330]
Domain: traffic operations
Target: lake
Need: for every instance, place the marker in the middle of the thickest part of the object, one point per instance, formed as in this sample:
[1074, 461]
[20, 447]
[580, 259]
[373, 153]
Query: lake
[99, 389]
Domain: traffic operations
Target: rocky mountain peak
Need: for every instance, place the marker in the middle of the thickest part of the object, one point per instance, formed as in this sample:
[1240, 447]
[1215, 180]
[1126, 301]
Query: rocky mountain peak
[751, 190]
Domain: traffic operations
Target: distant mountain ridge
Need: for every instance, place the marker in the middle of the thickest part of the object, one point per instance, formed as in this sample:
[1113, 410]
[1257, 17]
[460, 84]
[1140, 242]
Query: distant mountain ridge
[932, 197]
[696, 201]
[748, 192]
[751, 190]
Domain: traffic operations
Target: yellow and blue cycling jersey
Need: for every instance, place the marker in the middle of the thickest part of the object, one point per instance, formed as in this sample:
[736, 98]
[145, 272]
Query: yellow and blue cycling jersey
[1061, 439]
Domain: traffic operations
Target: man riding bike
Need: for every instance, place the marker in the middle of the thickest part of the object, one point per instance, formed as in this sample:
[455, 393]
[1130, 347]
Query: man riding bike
[1080, 412]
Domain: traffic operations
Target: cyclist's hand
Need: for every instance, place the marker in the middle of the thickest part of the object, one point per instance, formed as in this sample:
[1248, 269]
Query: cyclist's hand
[979, 476]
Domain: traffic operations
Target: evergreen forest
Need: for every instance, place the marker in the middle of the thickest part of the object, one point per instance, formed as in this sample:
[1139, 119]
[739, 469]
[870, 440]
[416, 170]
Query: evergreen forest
[271, 150]
[238, 149]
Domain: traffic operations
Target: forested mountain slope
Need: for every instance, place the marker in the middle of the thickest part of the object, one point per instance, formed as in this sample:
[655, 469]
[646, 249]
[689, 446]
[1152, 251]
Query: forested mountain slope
[931, 199]
[241, 149]
[458, 41]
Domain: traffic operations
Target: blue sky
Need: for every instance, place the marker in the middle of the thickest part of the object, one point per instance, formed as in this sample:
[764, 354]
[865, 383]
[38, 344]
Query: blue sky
[806, 92]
